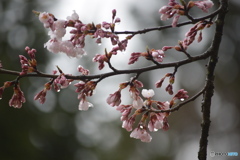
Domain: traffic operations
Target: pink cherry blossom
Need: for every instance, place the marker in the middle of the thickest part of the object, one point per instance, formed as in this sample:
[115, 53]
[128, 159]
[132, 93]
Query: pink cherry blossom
[41, 96]
[169, 89]
[204, 5]
[47, 19]
[74, 16]
[155, 122]
[100, 59]
[158, 55]
[134, 57]
[17, 98]
[126, 110]
[137, 102]
[62, 81]
[83, 70]
[84, 105]
[142, 134]
[128, 123]
[114, 99]
[181, 94]
[148, 93]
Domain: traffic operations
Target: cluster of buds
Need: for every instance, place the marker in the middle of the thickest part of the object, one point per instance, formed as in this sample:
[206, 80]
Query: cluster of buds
[85, 89]
[154, 55]
[169, 88]
[191, 34]
[151, 119]
[74, 46]
[176, 10]
[28, 65]
[153, 113]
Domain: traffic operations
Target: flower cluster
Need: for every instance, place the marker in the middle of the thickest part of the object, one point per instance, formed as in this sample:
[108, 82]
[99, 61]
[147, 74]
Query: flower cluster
[173, 10]
[143, 114]
[154, 55]
[152, 119]
[204, 4]
[30, 65]
[85, 89]
[169, 88]
[176, 10]
[74, 46]
[17, 98]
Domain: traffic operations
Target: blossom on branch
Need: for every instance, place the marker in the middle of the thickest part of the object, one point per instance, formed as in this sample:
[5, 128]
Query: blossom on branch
[148, 93]
[83, 70]
[204, 4]
[100, 59]
[114, 99]
[141, 133]
[174, 9]
[41, 96]
[17, 98]
[84, 105]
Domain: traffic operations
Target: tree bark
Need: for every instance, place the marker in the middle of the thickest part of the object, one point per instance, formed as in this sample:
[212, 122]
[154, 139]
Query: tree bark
[207, 96]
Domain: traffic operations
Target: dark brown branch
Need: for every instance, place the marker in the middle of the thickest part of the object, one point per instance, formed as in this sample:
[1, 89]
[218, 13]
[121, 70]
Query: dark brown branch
[177, 107]
[117, 72]
[193, 21]
[207, 98]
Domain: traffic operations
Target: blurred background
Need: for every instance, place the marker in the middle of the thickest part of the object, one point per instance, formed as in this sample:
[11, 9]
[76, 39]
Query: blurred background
[58, 130]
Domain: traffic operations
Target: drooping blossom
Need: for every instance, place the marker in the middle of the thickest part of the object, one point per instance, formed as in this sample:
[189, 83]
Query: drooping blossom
[17, 98]
[84, 105]
[173, 10]
[134, 57]
[41, 96]
[141, 133]
[100, 59]
[156, 122]
[125, 110]
[84, 90]
[181, 95]
[114, 99]
[128, 123]
[137, 102]
[169, 89]
[135, 94]
[204, 4]
[159, 120]
[192, 33]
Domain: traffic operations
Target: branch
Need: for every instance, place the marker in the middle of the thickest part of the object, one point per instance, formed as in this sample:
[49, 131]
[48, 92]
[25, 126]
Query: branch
[207, 98]
[176, 108]
[193, 21]
[116, 72]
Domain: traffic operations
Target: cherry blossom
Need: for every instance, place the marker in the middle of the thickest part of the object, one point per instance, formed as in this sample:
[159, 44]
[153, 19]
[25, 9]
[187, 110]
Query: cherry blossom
[84, 105]
[148, 93]
[204, 5]
[141, 133]
[17, 98]
[114, 99]
[83, 70]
